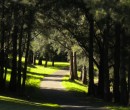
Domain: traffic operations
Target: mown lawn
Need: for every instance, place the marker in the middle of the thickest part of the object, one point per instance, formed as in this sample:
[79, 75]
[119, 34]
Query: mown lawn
[33, 97]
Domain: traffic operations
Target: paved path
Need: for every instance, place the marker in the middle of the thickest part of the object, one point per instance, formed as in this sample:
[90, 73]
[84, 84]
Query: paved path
[54, 92]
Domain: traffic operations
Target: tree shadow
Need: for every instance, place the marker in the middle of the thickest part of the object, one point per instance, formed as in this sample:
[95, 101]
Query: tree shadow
[9, 103]
[68, 100]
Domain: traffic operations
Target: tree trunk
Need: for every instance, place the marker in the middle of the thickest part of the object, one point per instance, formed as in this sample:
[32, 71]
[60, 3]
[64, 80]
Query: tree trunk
[30, 22]
[75, 65]
[20, 59]
[53, 60]
[129, 82]
[107, 96]
[46, 60]
[81, 73]
[91, 68]
[84, 75]
[34, 59]
[40, 61]
[71, 67]
[2, 83]
[117, 64]
[101, 75]
[26, 59]
[123, 83]
[14, 60]
[30, 57]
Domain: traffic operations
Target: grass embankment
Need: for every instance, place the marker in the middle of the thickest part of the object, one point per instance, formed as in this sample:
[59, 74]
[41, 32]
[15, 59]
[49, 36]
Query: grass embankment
[75, 86]
[34, 76]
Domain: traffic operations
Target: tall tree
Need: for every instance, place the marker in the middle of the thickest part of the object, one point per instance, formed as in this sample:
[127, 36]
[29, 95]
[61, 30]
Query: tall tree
[13, 78]
[116, 85]
[91, 66]
[2, 44]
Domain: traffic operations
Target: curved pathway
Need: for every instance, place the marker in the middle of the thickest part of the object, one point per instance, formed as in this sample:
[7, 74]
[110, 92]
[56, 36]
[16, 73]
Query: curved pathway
[54, 92]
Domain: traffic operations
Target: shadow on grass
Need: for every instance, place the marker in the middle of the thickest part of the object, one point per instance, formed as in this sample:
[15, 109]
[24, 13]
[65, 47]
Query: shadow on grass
[8, 103]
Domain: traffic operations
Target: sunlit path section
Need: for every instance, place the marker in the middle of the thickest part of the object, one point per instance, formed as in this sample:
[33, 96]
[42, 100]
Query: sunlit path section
[54, 81]
[54, 92]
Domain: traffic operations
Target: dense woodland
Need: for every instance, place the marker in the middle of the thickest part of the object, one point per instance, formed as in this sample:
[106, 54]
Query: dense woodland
[93, 33]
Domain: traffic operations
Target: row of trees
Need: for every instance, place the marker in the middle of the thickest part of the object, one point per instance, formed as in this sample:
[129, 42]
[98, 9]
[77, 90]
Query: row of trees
[16, 25]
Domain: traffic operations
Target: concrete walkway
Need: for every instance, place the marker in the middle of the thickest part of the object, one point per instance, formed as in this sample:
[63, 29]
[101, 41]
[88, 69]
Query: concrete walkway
[54, 92]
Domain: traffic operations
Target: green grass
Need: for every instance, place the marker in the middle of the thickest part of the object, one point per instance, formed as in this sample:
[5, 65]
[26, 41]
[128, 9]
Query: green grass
[118, 108]
[8, 103]
[76, 85]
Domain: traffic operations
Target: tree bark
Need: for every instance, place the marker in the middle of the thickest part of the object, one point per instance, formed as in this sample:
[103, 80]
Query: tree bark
[20, 58]
[14, 60]
[116, 84]
[101, 74]
[71, 67]
[123, 83]
[129, 82]
[75, 65]
[107, 96]
[2, 83]
[91, 68]
[84, 75]
[31, 14]
[40, 61]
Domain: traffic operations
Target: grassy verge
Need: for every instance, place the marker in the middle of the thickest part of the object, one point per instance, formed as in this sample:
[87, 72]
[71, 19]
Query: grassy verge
[75, 86]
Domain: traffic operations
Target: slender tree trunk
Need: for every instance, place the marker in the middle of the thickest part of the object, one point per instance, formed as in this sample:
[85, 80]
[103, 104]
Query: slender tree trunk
[101, 75]
[26, 59]
[81, 71]
[75, 65]
[91, 68]
[20, 59]
[40, 61]
[46, 60]
[31, 14]
[123, 83]
[34, 59]
[53, 62]
[2, 83]
[84, 75]
[107, 96]
[71, 67]
[30, 57]
[13, 79]
[14, 60]
[117, 64]
[129, 82]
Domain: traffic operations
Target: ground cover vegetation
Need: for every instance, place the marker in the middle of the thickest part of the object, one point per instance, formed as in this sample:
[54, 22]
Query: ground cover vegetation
[94, 33]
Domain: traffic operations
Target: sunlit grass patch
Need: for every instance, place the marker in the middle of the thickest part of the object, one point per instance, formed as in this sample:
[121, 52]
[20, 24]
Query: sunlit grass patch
[74, 85]
[118, 108]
